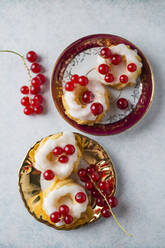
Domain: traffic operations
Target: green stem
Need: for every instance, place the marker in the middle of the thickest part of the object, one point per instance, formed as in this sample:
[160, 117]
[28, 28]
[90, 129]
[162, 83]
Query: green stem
[110, 208]
[24, 61]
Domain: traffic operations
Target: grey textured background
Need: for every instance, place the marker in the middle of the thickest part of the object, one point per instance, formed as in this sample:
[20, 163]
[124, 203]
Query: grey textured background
[48, 27]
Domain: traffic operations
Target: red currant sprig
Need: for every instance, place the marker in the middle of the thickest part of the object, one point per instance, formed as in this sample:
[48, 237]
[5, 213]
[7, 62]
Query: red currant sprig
[62, 215]
[31, 104]
[101, 191]
[63, 153]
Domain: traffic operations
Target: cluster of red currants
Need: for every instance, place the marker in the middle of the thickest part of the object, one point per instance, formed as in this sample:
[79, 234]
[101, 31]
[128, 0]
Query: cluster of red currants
[105, 187]
[62, 156]
[87, 96]
[116, 59]
[33, 105]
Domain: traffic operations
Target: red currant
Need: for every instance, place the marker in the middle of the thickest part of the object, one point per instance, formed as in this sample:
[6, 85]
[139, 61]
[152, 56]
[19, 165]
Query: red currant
[89, 185]
[105, 187]
[74, 78]
[57, 151]
[28, 110]
[124, 79]
[96, 108]
[35, 67]
[24, 90]
[109, 77]
[55, 217]
[116, 59]
[69, 86]
[100, 202]
[38, 98]
[95, 193]
[87, 97]
[95, 176]
[31, 56]
[105, 53]
[63, 159]
[25, 101]
[68, 219]
[83, 175]
[83, 80]
[48, 175]
[132, 67]
[122, 103]
[35, 103]
[38, 109]
[42, 78]
[113, 202]
[69, 149]
[36, 82]
[80, 197]
[90, 169]
[64, 210]
[103, 69]
[105, 212]
[34, 90]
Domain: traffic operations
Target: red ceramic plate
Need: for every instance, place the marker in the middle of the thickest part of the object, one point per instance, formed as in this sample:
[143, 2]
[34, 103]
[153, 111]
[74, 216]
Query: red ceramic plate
[79, 58]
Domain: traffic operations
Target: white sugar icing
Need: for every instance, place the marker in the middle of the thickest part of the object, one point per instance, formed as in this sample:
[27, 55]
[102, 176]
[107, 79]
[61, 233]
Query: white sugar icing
[65, 195]
[84, 113]
[61, 170]
[129, 56]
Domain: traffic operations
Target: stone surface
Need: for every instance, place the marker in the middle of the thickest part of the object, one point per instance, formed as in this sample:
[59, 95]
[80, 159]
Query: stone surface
[138, 154]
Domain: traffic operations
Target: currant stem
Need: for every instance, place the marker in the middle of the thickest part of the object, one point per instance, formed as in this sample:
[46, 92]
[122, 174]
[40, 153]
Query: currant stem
[24, 61]
[110, 208]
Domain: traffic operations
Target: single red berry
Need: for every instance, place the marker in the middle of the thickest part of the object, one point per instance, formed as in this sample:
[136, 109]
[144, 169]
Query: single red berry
[116, 59]
[38, 98]
[109, 78]
[95, 176]
[105, 212]
[28, 110]
[48, 175]
[105, 53]
[63, 159]
[74, 78]
[57, 151]
[25, 101]
[68, 219]
[31, 56]
[42, 78]
[69, 86]
[35, 67]
[83, 80]
[95, 193]
[96, 108]
[105, 187]
[124, 79]
[90, 169]
[24, 90]
[80, 197]
[132, 67]
[64, 210]
[122, 103]
[55, 217]
[100, 202]
[36, 82]
[87, 97]
[113, 202]
[34, 90]
[103, 69]
[89, 185]
[69, 149]
[38, 109]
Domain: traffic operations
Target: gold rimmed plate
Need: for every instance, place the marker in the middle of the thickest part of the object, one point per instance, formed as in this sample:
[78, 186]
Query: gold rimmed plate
[79, 58]
[30, 178]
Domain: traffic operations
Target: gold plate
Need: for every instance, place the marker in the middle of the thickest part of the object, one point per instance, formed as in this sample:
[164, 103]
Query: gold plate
[30, 189]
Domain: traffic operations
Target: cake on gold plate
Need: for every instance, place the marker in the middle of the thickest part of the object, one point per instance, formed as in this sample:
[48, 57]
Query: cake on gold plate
[60, 186]
[118, 66]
